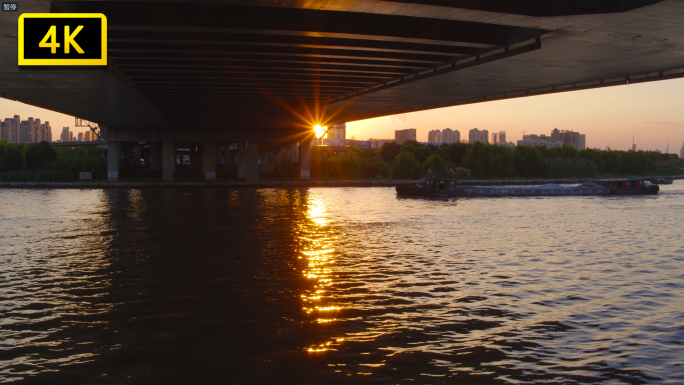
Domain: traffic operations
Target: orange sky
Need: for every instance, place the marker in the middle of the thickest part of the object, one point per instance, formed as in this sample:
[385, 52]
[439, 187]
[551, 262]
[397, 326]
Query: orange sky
[654, 111]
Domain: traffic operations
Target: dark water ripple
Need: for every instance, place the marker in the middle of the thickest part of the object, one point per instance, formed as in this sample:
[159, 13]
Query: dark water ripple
[339, 286]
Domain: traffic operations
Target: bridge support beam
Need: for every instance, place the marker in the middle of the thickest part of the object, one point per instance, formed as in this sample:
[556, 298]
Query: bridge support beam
[252, 162]
[168, 160]
[113, 160]
[293, 152]
[209, 160]
[242, 160]
[276, 159]
[304, 160]
[155, 156]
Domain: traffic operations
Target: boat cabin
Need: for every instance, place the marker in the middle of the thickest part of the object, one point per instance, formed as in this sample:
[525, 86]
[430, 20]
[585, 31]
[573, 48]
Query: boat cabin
[621, 184]
[441, 184]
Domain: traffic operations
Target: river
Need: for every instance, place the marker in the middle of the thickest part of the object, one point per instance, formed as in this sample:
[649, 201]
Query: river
[339, 285]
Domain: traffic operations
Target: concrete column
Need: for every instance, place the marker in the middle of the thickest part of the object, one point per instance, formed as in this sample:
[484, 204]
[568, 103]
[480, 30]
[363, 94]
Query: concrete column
[193, 154]
[168, 161]
[264, 159]
[209, 160]
[113, 160]
[220, 159]
[242, 160]
[252, 161]
[174, 156]
[156, 156]
[276, 158]
[200, 157]
[293, 152]
[304, 160]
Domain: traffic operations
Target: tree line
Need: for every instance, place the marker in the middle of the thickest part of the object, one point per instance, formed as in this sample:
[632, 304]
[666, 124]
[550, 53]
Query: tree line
[43, 162]
[412, 160]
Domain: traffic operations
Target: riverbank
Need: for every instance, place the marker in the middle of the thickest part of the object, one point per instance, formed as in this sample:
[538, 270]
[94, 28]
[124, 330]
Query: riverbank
[283, 184]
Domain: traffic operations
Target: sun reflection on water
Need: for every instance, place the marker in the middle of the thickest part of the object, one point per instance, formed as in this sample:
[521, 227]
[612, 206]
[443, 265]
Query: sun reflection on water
[317, 250]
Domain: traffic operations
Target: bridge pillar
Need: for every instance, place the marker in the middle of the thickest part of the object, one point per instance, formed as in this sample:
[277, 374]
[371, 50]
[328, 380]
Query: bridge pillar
[293, 152]
[276, 158]
[193, 154]
[168, 160]
[242, 160]
[155, 156]
[252, 161]
[304, 160]
[113, 160]
[174, 155]
[209, 160]
[264, 159]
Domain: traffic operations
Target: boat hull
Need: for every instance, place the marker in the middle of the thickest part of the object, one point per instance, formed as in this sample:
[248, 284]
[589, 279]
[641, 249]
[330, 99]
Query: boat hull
[497, 192]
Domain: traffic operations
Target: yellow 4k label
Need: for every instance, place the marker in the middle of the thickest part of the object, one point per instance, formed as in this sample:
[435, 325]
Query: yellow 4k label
[62, 39]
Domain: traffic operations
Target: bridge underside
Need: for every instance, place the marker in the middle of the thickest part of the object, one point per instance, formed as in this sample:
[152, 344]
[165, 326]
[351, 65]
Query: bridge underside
[233, 71]
[287, 65]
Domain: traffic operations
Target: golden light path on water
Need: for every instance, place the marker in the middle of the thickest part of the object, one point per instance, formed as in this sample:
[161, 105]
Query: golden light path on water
[318, 253]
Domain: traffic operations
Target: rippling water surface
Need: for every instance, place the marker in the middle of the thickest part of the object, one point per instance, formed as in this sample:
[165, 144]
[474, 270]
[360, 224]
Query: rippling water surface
[339, 285]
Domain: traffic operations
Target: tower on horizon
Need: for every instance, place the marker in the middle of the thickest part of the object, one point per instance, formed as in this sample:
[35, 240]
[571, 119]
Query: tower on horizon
[633, 145]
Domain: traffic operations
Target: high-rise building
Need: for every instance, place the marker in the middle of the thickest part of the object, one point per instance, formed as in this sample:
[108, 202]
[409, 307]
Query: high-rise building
[25, 130]
[681, 152]
[400, 136]
[484, 136]
[502, 137]
[539, 140]
[450, 136]
[473, 135]
[16, 129]
[495, 137]
[80, 136]
[88, 136]
[7, 132]
[48, 132]
[337, 133]
[435, 136]
[32, 130]
[575, 139]
[67, 136]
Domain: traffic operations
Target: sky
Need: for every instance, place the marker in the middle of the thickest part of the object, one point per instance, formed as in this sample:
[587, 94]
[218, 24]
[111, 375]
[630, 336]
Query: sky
[653, 111]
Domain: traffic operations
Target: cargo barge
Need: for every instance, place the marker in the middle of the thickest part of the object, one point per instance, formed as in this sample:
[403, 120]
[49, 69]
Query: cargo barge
[447, 188]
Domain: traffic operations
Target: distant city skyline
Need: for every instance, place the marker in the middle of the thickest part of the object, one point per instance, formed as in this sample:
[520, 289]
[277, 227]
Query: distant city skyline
[607, 116]
[653, 111]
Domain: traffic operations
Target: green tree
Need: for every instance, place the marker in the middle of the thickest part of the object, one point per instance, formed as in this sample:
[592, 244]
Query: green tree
[456, 152]
[372, 165]
[528, 161]
[406, 166]
[436, 164]
[421, 152]
[11, 158]
[389, 151]
[40, 156]
[350, 165]
[565, 151]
